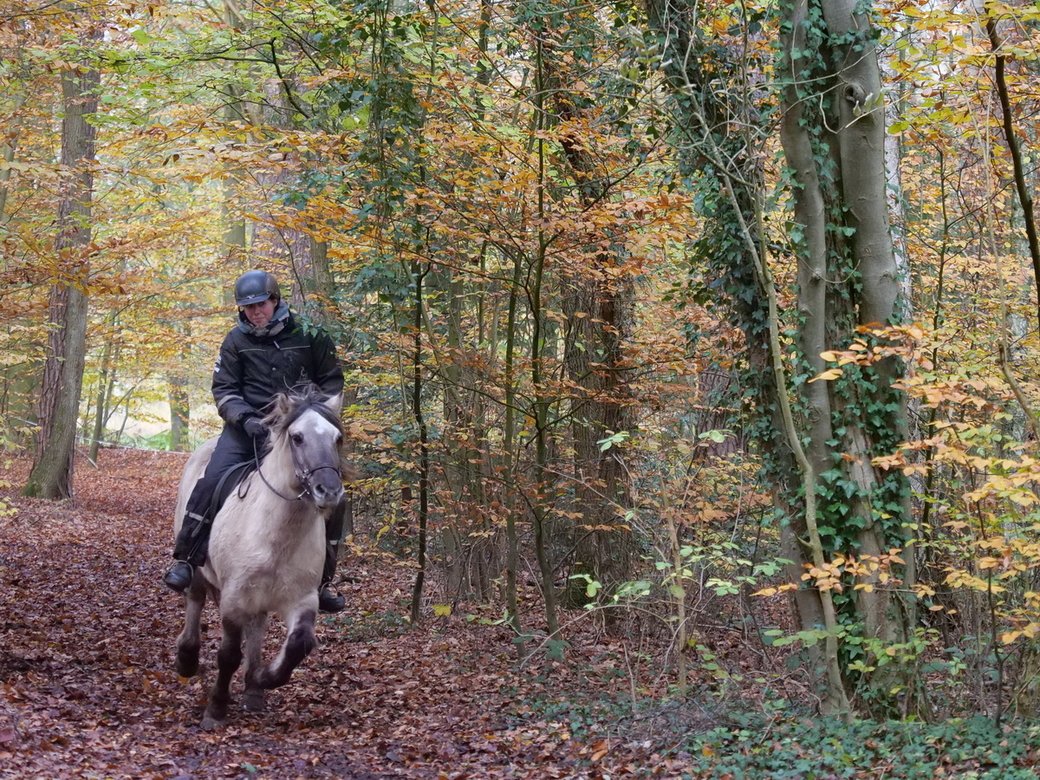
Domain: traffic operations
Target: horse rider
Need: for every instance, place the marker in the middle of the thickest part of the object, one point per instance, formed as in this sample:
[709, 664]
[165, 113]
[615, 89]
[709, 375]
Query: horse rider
[268, 352]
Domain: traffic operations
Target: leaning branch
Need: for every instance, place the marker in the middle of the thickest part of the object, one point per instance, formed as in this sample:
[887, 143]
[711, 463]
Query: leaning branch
[1025, 199]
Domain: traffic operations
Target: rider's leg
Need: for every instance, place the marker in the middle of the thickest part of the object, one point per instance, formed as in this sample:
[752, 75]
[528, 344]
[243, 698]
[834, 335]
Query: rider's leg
[189, 551]
[328, 599]
[191, 547]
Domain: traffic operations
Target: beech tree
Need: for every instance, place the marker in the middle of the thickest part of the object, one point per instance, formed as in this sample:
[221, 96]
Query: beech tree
[51, 475]
[832, 130]
[597, 296]
[848, 284]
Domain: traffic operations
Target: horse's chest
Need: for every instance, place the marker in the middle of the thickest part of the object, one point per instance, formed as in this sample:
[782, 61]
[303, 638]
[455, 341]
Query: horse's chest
[282, 555]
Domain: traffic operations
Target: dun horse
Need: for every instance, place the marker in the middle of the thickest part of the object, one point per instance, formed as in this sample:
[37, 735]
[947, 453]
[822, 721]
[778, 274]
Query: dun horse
[266, 551]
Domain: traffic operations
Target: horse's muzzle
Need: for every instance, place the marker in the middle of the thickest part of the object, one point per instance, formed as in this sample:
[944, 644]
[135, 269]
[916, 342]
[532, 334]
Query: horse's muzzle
[325, 485]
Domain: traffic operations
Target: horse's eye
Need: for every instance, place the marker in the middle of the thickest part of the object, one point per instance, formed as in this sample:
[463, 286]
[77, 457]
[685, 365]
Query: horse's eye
[297, 439]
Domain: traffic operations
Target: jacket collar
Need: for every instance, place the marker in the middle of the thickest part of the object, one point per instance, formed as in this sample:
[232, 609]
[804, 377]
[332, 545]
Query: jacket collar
[278, 322]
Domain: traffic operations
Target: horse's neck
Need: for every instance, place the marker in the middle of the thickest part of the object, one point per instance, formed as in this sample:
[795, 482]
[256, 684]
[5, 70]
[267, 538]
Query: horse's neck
[264, 529]
[277, 511]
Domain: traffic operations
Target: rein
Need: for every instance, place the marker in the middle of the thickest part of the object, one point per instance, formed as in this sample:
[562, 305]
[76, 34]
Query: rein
[304, 475]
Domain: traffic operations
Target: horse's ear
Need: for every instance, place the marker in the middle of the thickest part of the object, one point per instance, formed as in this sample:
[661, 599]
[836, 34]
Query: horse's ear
[335, 403]
[282, 405]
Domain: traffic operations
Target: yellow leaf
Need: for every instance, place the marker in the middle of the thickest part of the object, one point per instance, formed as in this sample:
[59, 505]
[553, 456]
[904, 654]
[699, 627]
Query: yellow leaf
[830, 373]
[442, 610]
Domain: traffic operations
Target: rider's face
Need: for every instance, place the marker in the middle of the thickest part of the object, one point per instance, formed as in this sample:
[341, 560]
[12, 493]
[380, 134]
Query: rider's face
[259, 314]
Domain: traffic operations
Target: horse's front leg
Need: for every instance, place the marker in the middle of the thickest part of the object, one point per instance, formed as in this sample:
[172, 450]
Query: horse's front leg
[229, 657]
[298, 644]
[256, 630]
[190, 638]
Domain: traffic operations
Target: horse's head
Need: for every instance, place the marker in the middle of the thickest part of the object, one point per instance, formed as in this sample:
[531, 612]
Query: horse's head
[309, 426]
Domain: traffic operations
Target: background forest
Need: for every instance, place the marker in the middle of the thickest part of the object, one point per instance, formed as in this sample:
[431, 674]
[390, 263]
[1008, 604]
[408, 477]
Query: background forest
[678, 320]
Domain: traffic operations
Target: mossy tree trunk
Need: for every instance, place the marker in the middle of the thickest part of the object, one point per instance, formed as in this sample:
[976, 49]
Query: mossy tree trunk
[833, 135]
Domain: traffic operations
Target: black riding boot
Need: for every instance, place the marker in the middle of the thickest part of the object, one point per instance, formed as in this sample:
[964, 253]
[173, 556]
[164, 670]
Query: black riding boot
[179, 577]
[190, 551]
[329, 600]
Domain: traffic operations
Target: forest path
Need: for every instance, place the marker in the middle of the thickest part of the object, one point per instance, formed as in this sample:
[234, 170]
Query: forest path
[88, 688]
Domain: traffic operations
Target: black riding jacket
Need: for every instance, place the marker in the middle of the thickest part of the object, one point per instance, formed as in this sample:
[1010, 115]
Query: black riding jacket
[252, 369]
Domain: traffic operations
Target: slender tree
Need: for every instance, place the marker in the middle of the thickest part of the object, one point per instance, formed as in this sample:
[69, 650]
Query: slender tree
[51, 475]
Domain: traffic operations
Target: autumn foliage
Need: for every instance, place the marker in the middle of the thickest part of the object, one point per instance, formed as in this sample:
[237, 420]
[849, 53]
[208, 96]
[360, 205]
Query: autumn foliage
[616, 386]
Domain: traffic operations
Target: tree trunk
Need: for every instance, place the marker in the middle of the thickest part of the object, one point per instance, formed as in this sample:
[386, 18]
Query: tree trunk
[230, 212]
[539, 358]
[7, 151]
[730, 246]
[418, 272]
[1019, 165]
[102, 397]
[319, 283]
[51, 475]
[833, 135]
[508, 467]
[597, 306]
[180, 414]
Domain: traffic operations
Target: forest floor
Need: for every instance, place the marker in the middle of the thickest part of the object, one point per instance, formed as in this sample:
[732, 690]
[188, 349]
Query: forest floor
[88, 687]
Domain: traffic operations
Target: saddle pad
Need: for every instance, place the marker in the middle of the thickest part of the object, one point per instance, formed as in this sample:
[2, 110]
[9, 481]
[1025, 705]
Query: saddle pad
[228, 483]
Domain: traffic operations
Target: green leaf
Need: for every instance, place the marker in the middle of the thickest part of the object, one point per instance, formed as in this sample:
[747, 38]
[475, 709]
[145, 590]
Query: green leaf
[555, 649]
[634, 589]
[614, 440]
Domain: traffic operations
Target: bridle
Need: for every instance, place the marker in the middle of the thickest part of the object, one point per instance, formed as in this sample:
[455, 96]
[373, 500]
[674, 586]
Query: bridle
[303, 476]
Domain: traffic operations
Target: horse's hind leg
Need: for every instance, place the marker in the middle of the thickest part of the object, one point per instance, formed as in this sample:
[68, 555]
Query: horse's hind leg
[298, 644]
[229, 657]
[190, 638]
[256, 629]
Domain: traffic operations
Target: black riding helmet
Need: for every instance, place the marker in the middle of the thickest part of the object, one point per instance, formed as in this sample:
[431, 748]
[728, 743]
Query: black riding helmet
[255, 286]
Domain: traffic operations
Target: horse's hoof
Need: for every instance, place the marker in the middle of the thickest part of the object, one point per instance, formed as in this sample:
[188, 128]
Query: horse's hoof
[187, 664]
[253, 701]
[209, 723]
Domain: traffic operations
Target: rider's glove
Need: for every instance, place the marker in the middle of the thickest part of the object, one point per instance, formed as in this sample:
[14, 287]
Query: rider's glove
[255, 427]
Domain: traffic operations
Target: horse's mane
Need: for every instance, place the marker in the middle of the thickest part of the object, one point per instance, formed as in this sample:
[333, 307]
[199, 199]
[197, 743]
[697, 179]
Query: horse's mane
[289, 407]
